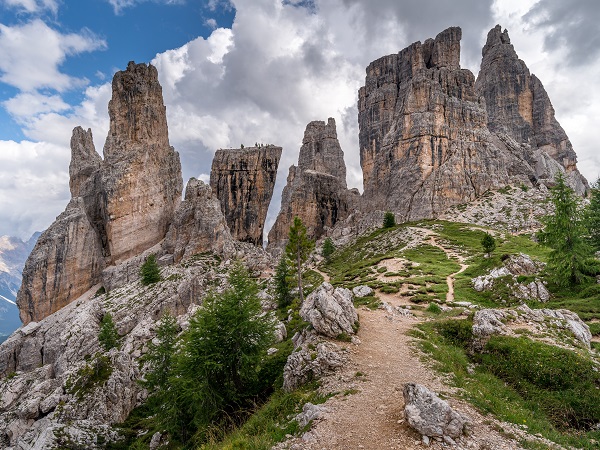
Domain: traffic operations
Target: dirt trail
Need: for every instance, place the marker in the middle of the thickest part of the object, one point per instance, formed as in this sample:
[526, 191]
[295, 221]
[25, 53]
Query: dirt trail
[367, 411]
[451, 254]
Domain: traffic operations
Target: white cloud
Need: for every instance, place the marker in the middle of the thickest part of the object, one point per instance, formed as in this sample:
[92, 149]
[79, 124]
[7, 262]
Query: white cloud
[120, 5]
[33, 6]
[31, 54]
[27, 104]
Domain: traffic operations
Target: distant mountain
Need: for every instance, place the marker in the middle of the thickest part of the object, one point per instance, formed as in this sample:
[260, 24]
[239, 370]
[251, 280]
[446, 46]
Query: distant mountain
[13, 253]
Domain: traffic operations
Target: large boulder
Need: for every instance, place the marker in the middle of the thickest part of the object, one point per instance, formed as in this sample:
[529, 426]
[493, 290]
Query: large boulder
[544, 322]
[330, 311]
[307, 364]
[430, 415]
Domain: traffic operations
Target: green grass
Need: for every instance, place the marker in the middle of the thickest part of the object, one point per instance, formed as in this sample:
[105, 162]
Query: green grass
[519, 381]
[270, 423]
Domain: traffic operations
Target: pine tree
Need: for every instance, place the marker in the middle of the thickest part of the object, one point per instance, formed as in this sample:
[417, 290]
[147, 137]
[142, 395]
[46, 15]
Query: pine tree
[150, 272]
[569, 261]
[223, 349]
[328, 249]
[159, 355]
[389, 220]
[592, 217]
[297, 250]
[108, 336]
[283, 291]
[488, 243]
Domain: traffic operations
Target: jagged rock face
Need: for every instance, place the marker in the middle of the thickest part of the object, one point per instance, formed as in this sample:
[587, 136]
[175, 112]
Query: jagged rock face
[142, 173]
[243, 180]
[65, 262]
[424, 140]
[199, 225]
[120, 206]
[316, 189]
[518, 105]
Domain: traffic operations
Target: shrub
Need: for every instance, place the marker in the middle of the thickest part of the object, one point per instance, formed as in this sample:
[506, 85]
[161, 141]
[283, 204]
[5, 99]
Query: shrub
[488, 243]
[456, 331]
[389, 220]
[216, 372]
[108, 336]
[558, 381]
[328, 249]
[434, 308]
[283, 288]
[150, 272]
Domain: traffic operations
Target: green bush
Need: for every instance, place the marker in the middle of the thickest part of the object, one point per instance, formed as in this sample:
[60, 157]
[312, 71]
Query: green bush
[328, 249]
[150, 272]
[389, 220]
[488, 243]
[216, 372]
[456, 331]
[558, 381]
[434, 308]
[108, 336]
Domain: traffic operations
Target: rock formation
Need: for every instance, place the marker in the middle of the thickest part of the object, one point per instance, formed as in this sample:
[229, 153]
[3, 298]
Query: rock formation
[199, 225]
[330, 311]
[316, 189]
[243, 180]
[120, 206]
[424, 139]
[142, 172]
[518, 105]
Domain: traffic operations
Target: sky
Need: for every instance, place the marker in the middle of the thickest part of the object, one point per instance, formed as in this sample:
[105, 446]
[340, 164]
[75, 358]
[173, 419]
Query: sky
[246, 71]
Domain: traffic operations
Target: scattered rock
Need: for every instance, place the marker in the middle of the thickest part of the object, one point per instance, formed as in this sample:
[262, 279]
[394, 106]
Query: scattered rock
[430, 415]
[362, 291]
[310, 412]
[308, 364]
[330, 311]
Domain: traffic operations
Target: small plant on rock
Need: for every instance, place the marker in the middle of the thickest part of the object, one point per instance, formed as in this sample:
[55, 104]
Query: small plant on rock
[389, 220]
[150, 271]
[108, 336]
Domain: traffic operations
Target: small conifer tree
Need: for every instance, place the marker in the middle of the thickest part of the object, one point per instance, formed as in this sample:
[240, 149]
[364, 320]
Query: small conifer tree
[592, 217]
[389, 220]
[328, 249]
[297, 250]
[283, 291]
[160, 355]
[108, 336]
[569, 262]
[488, 243]
[150, 272]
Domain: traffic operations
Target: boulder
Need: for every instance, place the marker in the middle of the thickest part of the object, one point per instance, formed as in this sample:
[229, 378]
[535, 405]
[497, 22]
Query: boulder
[309, 413]
[330, 311]
[362, 291]
[306, 364]
[430, 415]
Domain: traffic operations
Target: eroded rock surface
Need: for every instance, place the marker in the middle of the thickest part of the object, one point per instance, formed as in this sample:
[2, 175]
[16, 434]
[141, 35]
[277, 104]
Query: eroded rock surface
[199, 225]
[243, 180]
[120, 206]
[330, 311]
[518, 105]
[316, 190]
[425, 144]
[546, 323]
[430, 415]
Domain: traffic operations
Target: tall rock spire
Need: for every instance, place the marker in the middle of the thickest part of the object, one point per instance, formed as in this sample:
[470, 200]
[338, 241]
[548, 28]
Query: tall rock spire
[243, 180]
[518, 105]
[142, 173]
[316, 189]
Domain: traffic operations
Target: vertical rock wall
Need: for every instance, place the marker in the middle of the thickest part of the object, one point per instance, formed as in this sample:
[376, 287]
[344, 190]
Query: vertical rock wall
[243, 180]
[316, 189]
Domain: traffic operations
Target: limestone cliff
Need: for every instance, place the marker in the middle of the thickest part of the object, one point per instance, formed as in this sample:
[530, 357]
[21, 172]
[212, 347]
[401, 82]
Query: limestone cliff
[316, 189]
[243, 180]
[120, 206]
[518, 105]
[424, 139]
[142, 172]
[199, 225]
